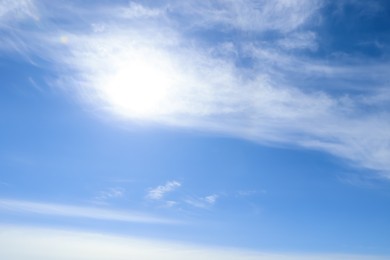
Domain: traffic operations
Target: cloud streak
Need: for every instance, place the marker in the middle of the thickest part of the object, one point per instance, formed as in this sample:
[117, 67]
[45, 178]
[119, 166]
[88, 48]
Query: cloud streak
[39, 243]
[248, 15]
[70, 211]
[17, 10]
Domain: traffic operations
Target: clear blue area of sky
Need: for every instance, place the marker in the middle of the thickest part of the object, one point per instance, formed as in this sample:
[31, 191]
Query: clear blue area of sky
[272, 196]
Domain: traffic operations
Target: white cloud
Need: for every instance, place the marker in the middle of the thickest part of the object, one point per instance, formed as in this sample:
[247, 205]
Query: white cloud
[111, 193]
[211, 199]
[61, 210]
[306, 40]
[135, 10]
[159, 192]
[22, 243]
[170, 203]
[16, 10]
[14, 13]
[203, 202]
[157, 72]
[250, 15]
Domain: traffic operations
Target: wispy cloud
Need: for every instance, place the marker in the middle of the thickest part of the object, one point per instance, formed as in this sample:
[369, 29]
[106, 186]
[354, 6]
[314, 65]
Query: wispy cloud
[249, 193]
[211, 199]
[249, 15]
[142, 71]
[170, 203]
[306, 40]
[16, 10]
[136, 11]
[203, 202]
[61, 210]
[159, 192]
[24, 243]
[110, 193]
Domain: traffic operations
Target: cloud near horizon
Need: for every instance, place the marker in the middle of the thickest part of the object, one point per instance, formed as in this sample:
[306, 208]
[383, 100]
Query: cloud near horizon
[148, 63]
[44, 243]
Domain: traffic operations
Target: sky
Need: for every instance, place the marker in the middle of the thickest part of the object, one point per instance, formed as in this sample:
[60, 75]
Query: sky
[223, 129]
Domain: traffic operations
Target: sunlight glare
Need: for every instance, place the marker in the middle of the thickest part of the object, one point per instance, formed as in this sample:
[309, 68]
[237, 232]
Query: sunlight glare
[140, 88]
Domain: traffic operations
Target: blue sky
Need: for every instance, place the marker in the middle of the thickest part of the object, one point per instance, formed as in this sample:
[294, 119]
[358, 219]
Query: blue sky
[194, 129]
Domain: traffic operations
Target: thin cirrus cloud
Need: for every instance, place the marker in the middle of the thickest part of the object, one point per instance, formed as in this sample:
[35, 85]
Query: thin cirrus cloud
[17, 10]
[43, 243]
[110, 193]
[248, 15]
[136, 65]
[203, 202]
[72, 211]
[159, 192]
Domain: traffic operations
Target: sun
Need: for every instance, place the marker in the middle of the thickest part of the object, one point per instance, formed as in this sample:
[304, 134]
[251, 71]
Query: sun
[140, 87]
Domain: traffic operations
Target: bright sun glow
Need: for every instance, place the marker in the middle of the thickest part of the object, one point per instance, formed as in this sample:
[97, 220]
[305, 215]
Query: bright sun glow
[140, 87]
